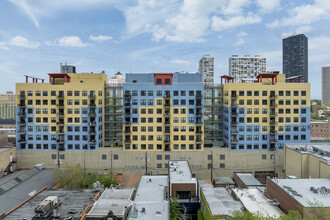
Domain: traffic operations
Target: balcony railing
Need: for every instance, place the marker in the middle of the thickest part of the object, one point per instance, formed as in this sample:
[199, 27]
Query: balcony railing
[92, 141]
[92, 114]
[61, 96]
[273, 140]
[167, 141]
[127, 96]
[93, 96]
[21, 96]
[199, 96]
[92, 123]
[234, 141]
[167, 96]
[167, 105]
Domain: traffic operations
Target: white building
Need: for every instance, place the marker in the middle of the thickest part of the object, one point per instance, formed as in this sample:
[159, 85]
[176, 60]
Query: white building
[325, 85]
[206, 68]
[246, 67]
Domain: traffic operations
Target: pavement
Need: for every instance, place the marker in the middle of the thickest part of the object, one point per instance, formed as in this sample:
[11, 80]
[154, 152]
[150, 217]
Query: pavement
[20, 193]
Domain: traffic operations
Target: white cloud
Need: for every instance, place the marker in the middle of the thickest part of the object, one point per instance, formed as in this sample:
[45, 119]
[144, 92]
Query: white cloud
[100, 38]
[234, 7]
[299, 30]
[240, 42]
[219, 24]
[3, 46]
[267, 6]
[304, 14]
[20, 41]
[318, 49]
[182, 62]
[242, 34]
[26, 8]
[71, 41]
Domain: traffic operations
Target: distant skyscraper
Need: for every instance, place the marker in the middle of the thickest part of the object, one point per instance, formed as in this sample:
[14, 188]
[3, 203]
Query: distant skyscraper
[8, 105]
[246, 67]
[295, 56]
[325, 85]
[206, 68]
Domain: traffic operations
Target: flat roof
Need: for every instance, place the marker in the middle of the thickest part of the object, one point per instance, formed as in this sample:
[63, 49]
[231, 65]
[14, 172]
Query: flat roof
[219, 200]
[75, 200]
[248, 179]
[2, 149]
[150, 202]
[179, 172]
[114, 200]
[300, 190]
[255, 202]
[321, 150]
[19, 193]
[223, 180]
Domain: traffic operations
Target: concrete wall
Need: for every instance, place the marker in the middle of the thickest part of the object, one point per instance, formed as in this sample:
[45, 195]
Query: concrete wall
[5, 157]
[130, 162]
[305, 165]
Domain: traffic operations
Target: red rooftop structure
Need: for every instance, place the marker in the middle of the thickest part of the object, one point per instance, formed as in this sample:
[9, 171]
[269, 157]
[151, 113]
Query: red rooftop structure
[227, 79]
[272, 76]
[292, 79]
[53, 76]
[34, 79]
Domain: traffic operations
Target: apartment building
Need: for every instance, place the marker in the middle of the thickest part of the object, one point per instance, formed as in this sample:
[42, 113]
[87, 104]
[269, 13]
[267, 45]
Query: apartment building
[246, 67]
[206, 68]
[7, 105]
[265, 112]
[163, 112]
[64, 114]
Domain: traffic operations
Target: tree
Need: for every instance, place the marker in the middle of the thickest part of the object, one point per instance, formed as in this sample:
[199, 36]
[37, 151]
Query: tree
[107, 180]
[175, 209]
[242, 215]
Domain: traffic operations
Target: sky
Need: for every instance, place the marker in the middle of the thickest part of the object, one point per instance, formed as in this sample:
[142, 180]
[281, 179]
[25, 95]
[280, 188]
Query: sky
[142, 36]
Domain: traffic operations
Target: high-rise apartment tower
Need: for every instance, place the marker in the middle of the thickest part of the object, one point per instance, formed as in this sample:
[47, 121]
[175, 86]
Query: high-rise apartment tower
[246, 67]
[206, 68]
[326, 85]
[295, 56]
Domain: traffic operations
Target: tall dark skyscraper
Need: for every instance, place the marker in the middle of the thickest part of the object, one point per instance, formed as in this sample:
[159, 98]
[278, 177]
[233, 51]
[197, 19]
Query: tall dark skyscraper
[295, 56]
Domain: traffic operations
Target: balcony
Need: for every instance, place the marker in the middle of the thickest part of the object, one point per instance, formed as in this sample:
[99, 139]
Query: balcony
[92, 105]
[92, 132]
[127, 105]
[272, 97]
[167, 105]
[167, 141]
[273, 115]
[199, 96]
[61, 96]
[233, 104]
[273, 131]
[234, 123]
[92, 141]
[199, 132]
[60, 123]
[60, 141]
[127, 141]
[167, 123]
[92, 114]
[273, 105]
[127, 132]
[92, 96]
[167, 114]
[233, 131]
[60, 114]
[61, 131]
[127, 96]
[127, 122]
[60, 105]
[21, 104]
[21, 141]
[234, 141]
[198, 105]
[22, 123]
[234, 96]
[92, 123]
[21, 96]
[234, 113]
[167, 131]
[199, 122]
[167, 96]
[22, 132]
[273, 122]
[272, 140]
[167, 147]
[127, 114]
[21, 114]
[199, 113]
[198, 141]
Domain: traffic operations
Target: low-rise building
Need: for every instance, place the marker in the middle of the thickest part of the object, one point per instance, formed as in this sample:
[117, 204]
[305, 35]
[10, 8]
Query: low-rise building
[246, 180]
[217, 203]
[151, 200]
[223, 182]
[310, 197]
[255, 202]
[116, 201]
[307, 160]
[7, 160]
[320, 128]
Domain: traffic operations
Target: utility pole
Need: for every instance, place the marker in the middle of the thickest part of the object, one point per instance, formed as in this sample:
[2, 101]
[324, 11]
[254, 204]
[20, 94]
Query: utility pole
[275, 163]
[211, 166]
[111, 162]
[58, 158]
[84, 162]
[146, 159]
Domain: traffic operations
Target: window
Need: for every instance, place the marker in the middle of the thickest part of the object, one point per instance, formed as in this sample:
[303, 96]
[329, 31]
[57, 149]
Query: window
[256, 102]
[241, 93]
[159, 81]
[256, 93]
[256, 111]
[167, 81]
[222, 165]
[159, 157]
[280, 93]
[143, 93]
[183, 93]
[287, 102]
[295, 93]
[264, 93]
[264, 156]
[222, 156]
[104, 156]
[287, 93]
[249, 93]
[150, 93]
[303, 93]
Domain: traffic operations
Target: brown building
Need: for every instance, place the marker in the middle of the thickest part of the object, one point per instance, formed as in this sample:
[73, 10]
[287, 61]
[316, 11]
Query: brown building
[320, 128]
[310, 197]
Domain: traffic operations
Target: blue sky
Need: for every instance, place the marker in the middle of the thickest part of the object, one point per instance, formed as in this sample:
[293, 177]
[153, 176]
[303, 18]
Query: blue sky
[154, 35]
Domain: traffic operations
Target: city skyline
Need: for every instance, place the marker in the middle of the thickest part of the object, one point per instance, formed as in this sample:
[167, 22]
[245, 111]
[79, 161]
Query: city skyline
[151, 36]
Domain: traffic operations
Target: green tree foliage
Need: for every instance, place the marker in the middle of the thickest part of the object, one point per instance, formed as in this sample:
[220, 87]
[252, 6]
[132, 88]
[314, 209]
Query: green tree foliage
[242, 215]
[175, 209]
[316, 117]
[107, 180]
